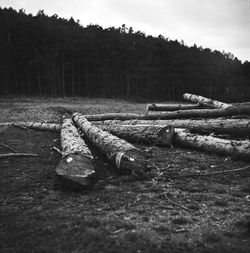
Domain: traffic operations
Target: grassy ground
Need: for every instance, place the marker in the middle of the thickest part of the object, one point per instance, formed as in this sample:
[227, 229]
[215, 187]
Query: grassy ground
[119, 214]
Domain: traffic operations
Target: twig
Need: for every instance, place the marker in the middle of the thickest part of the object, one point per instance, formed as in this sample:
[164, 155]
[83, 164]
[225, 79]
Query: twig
[57, 150]
[215, 173]
[10, 148]
[23, 127]
[176, 204]
[16, 155]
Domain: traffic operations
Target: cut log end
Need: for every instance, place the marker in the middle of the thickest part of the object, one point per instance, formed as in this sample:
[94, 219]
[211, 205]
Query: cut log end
[76, 171]
[165, 136]
[131, 162]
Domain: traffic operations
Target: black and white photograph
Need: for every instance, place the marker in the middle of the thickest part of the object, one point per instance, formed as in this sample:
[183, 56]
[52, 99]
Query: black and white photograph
[125, 126]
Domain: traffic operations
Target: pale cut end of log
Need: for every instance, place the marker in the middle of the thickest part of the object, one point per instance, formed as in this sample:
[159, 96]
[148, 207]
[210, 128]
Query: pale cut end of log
[166, 136]
[206, 101]
[76, 169]
[126, 157]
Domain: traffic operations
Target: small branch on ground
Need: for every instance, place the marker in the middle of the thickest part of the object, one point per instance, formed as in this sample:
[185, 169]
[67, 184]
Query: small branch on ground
[215, 173]
[10, 148]
[57, 150]
[176, 204]
[22, 127]
[16, 155]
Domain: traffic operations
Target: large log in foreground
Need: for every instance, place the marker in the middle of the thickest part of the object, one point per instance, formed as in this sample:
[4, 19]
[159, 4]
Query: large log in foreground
[195, 113]
[236, 127]
[155, 135]
[126, 157]
[76, 168]
[205, 101]
[171, 107]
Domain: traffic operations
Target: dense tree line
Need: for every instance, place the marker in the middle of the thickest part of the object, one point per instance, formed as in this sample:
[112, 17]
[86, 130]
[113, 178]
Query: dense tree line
[42, 55]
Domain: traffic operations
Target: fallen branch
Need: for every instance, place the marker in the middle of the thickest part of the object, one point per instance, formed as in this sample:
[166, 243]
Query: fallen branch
[57, 150]
[16, 155]
[175, 203]
[10, 148]
[22, 127]
[215, 172]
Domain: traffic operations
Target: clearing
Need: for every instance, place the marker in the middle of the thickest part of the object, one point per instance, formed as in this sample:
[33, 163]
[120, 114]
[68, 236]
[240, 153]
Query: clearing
[120, 214]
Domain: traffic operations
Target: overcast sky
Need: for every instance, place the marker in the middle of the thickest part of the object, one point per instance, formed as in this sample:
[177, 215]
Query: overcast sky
[217, 24]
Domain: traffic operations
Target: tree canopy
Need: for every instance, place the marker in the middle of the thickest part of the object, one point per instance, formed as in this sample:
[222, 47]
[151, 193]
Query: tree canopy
[42, 55]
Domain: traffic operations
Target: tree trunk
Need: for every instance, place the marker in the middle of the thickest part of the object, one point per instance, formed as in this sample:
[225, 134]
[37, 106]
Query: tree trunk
[35, 125]
[123, 155]
[39, 79]
[63, 78]
[157, 135]
[205, 101]
[195, 113]
[236, 127]
[171, 107]
[147, 134]
[73, 80]
[76, 168]
[236, 149]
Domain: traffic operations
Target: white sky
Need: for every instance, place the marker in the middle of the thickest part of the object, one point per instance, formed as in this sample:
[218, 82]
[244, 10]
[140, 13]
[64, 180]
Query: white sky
[217, 24]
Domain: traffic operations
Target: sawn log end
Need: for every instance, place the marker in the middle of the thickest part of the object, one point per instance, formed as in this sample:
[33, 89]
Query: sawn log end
[76, 171]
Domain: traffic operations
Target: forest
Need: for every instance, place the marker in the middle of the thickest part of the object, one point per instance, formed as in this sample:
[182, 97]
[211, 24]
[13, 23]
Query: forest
[43, 55]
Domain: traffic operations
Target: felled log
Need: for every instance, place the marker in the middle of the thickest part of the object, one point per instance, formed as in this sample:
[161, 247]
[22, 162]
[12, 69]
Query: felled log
[171, 107]
[125, 156]
[16, 155]
[236, 149]
[205, 101]
[236, 127]
[147, 134]
[155, 135]
[194, 113]
[35, 125]
[76, 169]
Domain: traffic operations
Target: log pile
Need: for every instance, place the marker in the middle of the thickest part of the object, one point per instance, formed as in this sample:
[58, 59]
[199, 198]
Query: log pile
[201, 126]
[211, 129]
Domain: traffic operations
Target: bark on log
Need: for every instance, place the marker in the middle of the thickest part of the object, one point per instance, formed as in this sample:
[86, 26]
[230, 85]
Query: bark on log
[16, 155]
[195, 113]
[125, 156]
[76, 169]
[171, 107]
[146, 134]
[35, 125]
[236, 149]
[205, 101]
[234, 127]
[153, 135]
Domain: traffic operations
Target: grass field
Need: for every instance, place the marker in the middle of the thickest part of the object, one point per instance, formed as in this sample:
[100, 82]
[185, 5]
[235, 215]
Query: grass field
[120, 214]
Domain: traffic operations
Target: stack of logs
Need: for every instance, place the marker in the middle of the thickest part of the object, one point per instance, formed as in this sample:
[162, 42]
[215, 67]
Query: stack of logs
[207, 125]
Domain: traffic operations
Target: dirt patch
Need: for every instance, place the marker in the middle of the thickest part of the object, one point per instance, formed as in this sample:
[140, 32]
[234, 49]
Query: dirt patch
[120, 213]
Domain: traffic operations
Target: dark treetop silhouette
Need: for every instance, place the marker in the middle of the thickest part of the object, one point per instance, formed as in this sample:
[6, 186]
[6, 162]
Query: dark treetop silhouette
[42, 55]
